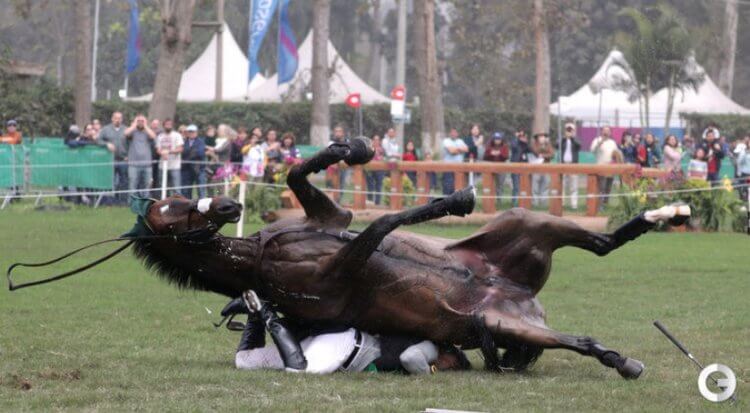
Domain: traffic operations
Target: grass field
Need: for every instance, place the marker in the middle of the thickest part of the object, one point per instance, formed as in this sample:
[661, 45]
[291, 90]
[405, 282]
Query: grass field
[116, 338]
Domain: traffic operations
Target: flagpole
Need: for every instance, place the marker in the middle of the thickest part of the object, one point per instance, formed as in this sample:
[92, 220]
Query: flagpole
[249, 43]
[95, 51]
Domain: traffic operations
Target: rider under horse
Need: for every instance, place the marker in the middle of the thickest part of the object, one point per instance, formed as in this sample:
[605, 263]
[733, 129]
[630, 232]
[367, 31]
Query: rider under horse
[479, 292]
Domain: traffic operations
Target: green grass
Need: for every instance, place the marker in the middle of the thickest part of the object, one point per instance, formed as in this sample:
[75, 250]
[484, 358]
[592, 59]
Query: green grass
[116, 338]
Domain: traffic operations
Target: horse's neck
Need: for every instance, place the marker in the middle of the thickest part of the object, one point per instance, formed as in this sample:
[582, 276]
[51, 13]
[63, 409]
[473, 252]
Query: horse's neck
[222, 265]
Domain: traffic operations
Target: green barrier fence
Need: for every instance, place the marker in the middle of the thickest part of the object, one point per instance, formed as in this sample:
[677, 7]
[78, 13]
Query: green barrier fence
[52, 164]
[11, 165]
[85, 167]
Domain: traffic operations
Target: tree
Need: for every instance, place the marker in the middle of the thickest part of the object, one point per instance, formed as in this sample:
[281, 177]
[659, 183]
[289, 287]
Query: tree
[320, 125]
[659, 55]
[428, 80]
[83, 62]
[176, 19]
[542, 83]
[728, 48]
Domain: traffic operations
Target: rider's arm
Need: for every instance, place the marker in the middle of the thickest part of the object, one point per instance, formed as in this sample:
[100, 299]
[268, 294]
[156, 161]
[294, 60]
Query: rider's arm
[418, 358]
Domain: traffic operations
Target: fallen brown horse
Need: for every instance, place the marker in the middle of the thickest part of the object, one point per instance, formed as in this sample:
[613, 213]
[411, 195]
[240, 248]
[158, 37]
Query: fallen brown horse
[479, 292]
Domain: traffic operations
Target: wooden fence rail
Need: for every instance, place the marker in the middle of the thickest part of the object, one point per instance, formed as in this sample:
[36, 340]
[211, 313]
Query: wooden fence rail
[488, 170]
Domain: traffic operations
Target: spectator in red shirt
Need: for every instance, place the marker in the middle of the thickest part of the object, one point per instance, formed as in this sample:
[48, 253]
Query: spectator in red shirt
[497, 150]
[410, 154]
[715, 154]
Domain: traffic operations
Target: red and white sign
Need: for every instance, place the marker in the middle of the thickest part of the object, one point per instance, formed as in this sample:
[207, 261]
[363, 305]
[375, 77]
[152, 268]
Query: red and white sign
[354, 100]
[398, 93]
[398, 101]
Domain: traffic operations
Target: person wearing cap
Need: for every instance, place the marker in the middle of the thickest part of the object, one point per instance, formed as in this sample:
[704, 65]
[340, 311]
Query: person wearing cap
[497, 150]
[12, 135]
[519, 152]
[570, 148]
[193, 167]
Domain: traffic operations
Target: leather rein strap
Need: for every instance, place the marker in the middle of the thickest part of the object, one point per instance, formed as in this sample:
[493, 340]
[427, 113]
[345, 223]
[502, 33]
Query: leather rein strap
[190, 236]
[13, 287]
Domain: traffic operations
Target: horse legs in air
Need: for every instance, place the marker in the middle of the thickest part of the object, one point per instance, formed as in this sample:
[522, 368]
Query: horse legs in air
[353, 256]
[318, 206]
[602, 244]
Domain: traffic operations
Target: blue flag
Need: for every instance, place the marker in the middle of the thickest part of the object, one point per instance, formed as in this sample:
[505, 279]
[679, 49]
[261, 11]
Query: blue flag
[287, 48]
[260, 19]
[134, 39]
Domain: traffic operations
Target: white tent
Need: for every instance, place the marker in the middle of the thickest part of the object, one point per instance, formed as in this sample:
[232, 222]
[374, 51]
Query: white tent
[707, 99]
[597, 101]
[198, 83]
[584, 104]
[343, 81]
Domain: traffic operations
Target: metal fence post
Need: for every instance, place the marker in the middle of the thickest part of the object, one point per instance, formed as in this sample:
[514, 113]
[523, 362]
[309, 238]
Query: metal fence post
[241, 222]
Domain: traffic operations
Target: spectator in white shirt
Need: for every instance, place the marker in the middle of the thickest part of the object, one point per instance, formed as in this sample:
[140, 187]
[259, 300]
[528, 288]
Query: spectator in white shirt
[604, 148]
[169, 145]
[454, 149]
[390, 146]
[571, 148]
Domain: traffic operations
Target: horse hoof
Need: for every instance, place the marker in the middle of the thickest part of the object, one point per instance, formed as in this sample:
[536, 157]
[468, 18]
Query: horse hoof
[681, 216]
[631, 369]
[360, 151]
[461, 202]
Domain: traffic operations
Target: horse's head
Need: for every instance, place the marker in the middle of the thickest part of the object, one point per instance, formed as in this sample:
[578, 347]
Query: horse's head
[177, 215]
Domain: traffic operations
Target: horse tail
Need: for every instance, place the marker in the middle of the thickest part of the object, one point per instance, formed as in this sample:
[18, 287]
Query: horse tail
[486, 345]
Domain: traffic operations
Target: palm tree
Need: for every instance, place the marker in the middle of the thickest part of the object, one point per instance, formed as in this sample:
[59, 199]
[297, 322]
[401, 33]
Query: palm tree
[658, 53]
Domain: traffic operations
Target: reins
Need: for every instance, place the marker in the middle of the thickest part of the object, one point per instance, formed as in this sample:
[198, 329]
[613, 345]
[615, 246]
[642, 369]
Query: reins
[67, 274]
[192, 236]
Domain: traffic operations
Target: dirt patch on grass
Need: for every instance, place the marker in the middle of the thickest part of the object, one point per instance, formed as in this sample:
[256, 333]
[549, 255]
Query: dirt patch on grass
[67, 375]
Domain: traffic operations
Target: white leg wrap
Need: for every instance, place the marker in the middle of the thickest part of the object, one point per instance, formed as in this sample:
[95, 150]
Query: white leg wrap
[666, 212]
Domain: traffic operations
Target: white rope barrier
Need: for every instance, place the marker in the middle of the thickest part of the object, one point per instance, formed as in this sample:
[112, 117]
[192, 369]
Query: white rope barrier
[225, 184]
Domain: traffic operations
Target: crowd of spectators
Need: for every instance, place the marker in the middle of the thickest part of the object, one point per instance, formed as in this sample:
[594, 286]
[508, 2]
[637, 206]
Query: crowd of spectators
[144, 149]
[194, 157]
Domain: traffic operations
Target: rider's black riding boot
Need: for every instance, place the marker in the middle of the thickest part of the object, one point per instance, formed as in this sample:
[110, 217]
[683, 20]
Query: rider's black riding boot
[254, 334]
[289, 348]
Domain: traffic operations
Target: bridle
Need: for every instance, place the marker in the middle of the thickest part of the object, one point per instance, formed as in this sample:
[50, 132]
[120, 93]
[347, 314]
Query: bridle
[191, 236]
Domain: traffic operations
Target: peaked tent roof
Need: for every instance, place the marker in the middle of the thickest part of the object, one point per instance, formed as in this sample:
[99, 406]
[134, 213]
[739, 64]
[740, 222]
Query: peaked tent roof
[343, 81]
[584, 103]
[707, 99]
[198, 83]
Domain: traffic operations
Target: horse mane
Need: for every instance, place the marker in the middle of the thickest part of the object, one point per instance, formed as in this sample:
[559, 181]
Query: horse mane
[167, 269]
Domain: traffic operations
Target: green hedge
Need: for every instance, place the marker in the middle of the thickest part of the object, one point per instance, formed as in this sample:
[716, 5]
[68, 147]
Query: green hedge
[44, 109]
[40, 107]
